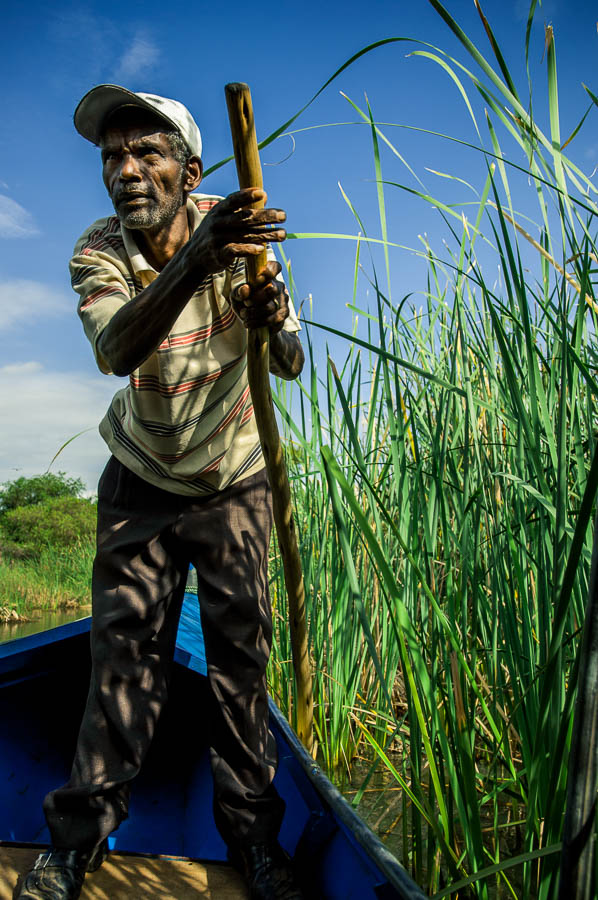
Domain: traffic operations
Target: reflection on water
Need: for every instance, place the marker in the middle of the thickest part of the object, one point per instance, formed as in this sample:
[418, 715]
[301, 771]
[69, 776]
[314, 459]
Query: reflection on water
[41, 620]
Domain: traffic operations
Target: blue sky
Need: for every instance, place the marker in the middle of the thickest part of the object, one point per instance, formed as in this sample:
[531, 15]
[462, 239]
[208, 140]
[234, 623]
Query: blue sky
[51, 190]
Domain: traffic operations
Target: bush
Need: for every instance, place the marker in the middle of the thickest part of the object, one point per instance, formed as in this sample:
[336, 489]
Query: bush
[57, 522]
[38, 489]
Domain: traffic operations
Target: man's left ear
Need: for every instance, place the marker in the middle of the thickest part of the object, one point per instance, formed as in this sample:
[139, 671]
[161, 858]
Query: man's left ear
[193, 173]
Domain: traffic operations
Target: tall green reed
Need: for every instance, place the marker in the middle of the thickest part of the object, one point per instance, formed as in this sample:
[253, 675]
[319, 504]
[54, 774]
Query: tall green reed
[57, 577]
[445, 476]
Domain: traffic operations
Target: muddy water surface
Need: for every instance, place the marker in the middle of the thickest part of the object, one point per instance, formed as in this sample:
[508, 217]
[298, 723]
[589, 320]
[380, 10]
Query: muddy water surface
[41, 620]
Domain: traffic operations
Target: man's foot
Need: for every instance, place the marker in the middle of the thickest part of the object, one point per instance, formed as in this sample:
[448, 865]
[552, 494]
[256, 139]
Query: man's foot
[268, 871]
[59, 874]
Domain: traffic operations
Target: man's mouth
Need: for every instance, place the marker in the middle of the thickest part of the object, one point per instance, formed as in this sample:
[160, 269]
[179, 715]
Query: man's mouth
[130, 196]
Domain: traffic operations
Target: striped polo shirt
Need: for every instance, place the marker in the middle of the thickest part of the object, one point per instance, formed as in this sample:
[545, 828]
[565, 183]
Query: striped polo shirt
[185, 421]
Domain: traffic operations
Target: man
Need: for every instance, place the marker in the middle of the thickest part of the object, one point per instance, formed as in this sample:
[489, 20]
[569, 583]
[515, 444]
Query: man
[163, 299]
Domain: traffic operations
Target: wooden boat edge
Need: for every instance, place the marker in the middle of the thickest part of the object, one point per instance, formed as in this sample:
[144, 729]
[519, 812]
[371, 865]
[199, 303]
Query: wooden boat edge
[372, 845]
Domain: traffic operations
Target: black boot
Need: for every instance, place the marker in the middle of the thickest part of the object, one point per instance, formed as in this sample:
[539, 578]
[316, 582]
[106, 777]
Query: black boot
[268, 871]
[59, 874]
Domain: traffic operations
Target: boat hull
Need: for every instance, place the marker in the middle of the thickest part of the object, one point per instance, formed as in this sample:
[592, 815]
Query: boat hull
[43, 687]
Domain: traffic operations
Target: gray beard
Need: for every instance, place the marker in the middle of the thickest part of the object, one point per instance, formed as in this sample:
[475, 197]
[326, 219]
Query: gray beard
[153, 216]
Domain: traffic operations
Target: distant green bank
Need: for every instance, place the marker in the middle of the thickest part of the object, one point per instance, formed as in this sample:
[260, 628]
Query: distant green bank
[46, 545]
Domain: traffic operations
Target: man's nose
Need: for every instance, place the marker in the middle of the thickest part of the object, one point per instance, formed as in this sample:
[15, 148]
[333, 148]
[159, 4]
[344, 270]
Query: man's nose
[129, 169]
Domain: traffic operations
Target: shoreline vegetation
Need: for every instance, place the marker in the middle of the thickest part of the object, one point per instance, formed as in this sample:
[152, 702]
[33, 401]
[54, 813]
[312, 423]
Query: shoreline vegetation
[444, 466]
[46, 546]
[52, 582]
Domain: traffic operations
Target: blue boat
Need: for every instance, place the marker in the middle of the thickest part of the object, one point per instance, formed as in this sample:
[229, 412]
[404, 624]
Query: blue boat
[170, 832]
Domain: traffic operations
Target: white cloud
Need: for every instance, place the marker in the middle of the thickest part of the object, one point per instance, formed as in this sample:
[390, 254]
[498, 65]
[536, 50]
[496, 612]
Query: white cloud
[15, 221]
[25, 301]
[40, 410]
[141, 55]
[111, 52]
[19, 369]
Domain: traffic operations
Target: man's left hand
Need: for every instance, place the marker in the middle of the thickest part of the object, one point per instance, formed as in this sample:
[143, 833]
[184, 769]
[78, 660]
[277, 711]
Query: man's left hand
[264, 305]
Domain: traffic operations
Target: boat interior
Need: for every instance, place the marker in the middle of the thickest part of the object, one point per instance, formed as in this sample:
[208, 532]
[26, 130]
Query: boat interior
[170, 821]
[131, 876]
[169, 846]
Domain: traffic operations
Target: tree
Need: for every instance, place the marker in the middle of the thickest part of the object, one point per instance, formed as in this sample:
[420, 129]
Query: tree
[38, 489]
[57, 522]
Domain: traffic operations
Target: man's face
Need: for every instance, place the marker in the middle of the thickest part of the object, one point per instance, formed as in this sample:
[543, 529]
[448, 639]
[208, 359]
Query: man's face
[143, 178]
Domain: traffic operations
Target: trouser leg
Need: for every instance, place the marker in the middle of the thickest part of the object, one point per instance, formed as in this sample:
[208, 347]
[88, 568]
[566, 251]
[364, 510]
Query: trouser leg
[227, 539]
[137, 592]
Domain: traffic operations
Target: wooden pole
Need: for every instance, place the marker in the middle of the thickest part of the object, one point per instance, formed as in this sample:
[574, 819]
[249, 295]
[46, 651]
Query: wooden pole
[249, 170]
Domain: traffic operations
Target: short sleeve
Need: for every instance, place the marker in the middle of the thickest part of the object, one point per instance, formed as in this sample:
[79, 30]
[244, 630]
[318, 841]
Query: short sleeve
[100, 279]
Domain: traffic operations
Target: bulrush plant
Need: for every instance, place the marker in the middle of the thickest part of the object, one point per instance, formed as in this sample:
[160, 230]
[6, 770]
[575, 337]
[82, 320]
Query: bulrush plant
[445, 476]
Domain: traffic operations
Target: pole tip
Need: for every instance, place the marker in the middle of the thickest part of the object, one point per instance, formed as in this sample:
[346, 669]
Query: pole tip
[236, 87]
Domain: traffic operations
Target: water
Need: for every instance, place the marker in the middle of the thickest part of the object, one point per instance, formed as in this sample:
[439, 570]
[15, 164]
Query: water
[41, 620]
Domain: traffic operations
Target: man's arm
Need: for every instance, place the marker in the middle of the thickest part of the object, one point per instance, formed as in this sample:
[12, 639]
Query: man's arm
[267, 305]
[286, 355]
[138, 328]
[230, 230]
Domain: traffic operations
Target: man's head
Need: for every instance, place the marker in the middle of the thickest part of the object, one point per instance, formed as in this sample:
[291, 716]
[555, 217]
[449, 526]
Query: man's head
[150, 152]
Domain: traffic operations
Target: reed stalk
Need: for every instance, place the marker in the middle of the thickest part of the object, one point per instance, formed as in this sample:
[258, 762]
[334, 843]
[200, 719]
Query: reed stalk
[443, 482]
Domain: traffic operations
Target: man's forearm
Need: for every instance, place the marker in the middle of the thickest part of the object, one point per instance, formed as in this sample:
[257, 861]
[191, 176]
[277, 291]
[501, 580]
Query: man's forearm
[140, 326]
[286, 355]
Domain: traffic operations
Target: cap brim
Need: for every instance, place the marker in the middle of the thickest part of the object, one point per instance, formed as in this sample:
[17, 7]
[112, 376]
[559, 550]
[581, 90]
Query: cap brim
[102, 100]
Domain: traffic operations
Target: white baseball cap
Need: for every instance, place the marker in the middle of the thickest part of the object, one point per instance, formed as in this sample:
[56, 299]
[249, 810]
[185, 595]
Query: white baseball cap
[104, 99]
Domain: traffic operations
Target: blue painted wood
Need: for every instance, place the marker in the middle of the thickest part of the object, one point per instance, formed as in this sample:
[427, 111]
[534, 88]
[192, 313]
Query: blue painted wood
[190, 647]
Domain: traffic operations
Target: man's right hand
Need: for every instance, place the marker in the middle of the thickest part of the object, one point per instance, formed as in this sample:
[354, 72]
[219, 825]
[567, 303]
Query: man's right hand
[232, 229]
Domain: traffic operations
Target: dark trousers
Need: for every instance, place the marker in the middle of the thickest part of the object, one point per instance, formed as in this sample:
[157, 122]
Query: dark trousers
[146, 539]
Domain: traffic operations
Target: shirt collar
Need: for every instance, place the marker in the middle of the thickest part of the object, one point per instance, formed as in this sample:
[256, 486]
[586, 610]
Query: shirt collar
[139, 263]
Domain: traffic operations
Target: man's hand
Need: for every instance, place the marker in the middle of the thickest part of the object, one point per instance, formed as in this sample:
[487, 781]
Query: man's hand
[232, 229]
[264, 305]
[267, 305]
